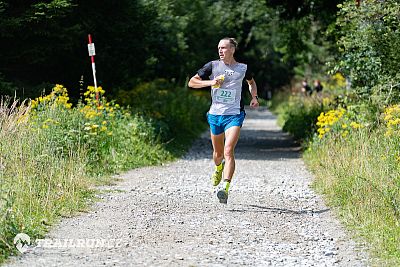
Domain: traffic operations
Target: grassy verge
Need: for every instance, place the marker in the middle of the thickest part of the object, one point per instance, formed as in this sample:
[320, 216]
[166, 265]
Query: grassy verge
[52, 154]
[359, 176]
[356, 164]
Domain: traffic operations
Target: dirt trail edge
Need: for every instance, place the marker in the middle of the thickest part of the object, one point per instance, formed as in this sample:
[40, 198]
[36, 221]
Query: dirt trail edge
[169, 215]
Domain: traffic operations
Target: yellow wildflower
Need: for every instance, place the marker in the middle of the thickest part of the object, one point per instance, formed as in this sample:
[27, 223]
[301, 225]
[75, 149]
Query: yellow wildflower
[355, 125]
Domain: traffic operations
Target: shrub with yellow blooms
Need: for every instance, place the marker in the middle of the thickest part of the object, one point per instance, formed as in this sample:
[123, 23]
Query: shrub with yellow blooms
[391, 116]
[339, 80]
[337, 122]
[91, 124]
[99, 113]
[111, 137]
[57, 98]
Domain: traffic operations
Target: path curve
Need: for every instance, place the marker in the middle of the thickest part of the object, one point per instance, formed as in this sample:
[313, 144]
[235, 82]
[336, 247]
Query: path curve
[169, 215]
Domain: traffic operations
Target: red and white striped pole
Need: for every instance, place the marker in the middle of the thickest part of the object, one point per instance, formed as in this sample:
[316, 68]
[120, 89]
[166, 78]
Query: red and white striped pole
[92, 53]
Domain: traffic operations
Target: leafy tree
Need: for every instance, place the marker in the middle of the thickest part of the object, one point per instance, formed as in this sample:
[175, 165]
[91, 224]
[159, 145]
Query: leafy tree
[141, 40]
[32, 33]
[369, 48]
[46, 40]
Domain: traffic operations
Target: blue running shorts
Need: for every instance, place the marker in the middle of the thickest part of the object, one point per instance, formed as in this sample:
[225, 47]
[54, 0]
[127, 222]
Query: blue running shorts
[221, 123]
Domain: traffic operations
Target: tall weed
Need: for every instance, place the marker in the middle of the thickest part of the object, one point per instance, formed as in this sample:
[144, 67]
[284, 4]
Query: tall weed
[37, 183]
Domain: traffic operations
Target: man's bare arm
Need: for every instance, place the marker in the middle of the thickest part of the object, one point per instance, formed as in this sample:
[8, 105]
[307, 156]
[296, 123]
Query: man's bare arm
[252, 87]
[197, 82]
[253, 91]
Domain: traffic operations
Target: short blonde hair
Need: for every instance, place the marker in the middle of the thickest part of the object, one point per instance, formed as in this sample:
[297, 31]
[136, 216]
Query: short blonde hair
[232, 42]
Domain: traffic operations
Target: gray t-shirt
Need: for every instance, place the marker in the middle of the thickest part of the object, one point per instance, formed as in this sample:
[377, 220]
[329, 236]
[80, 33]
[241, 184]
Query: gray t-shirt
[226, 100]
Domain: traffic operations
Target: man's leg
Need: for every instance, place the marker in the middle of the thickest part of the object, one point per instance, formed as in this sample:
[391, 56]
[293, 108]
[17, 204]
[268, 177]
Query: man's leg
[231, 139]
[218, 156]
[218, 148]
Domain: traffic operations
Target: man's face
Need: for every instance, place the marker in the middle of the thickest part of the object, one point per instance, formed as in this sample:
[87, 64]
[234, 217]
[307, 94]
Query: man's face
[225, 50]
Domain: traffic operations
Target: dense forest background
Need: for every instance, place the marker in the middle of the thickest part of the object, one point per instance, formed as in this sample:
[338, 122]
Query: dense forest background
[146, 50]
[45, 42]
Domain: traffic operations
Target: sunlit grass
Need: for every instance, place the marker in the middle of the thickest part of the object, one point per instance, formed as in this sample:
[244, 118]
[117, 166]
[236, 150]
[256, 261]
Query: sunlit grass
[356, 163]
[52, 155]
[360, 175]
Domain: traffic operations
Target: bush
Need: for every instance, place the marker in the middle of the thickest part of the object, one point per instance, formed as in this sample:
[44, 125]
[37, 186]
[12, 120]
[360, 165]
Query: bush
[6, 87]
[113, 138]
[177, 112]
[300, 117]
[369, 41]
[298, 114]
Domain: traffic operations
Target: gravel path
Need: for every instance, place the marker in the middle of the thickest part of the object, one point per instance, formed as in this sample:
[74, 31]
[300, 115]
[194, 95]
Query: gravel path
[169, 215]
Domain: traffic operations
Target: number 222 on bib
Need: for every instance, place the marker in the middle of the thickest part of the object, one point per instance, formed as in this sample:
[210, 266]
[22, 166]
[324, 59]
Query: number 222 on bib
[225, 96]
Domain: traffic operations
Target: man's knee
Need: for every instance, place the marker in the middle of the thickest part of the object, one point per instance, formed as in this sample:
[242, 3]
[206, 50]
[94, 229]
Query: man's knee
[218, 154]
[228, 152]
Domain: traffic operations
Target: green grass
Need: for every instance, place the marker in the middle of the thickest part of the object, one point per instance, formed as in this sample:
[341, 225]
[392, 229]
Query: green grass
[53, 156]
[359, 175]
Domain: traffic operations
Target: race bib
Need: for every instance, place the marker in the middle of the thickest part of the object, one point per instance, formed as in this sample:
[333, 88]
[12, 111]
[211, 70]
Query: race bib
[225, 96]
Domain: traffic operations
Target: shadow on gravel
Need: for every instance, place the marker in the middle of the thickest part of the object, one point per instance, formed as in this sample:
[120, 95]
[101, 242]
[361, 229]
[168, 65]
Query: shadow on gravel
[266, 145]
[260, 115]
[256, 208]
[253, 145]
[251, 149]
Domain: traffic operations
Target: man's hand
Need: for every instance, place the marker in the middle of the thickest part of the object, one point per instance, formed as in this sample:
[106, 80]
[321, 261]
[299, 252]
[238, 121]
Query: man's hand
[218, 81]
[215, 83]
[253, 92]
[197, 82]
[254, 103]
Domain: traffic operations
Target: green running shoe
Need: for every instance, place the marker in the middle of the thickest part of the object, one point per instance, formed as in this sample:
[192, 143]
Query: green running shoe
[223, 193]
[217, 175]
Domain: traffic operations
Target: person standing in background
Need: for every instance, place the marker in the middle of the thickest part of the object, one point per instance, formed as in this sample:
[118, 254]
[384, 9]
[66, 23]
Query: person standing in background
[318, 86]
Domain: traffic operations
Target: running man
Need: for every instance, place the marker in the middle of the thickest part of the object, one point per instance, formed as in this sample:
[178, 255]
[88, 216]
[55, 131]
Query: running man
[226, 114]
